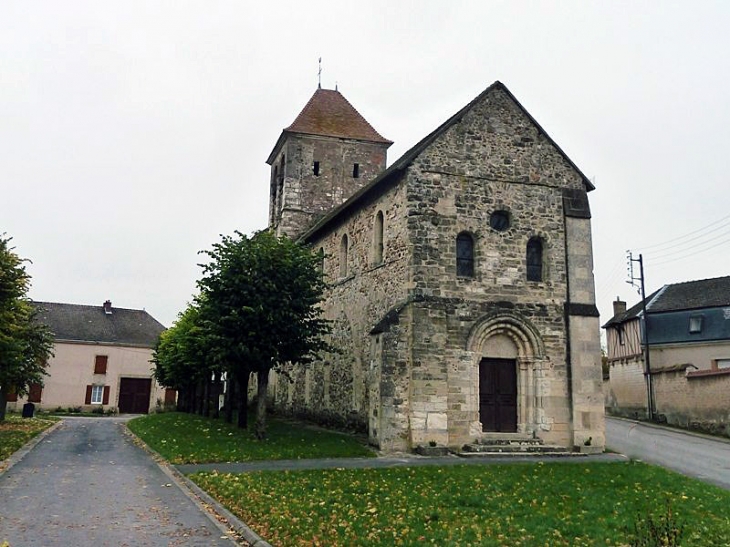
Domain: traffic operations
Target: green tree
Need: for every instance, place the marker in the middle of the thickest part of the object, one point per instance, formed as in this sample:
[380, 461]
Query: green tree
[260, 300]
[185, 360]
[25, 344]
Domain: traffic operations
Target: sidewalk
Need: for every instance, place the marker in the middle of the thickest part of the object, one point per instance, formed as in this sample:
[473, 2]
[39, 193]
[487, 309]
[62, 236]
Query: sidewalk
[406, 460]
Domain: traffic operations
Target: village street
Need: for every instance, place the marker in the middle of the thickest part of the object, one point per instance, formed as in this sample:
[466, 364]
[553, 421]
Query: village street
[698, 456]
[87, 484]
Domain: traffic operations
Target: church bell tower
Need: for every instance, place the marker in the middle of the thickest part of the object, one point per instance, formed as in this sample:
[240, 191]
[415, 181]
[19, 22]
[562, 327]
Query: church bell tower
[326, 155]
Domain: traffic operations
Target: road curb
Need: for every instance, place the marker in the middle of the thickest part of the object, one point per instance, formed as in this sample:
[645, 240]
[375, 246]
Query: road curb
[22, 452]
[202, 499]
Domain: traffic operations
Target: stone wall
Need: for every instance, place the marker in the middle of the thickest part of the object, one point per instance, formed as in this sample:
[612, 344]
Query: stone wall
[300, 197]
[413, 333]
[495, 158]
[341, 387]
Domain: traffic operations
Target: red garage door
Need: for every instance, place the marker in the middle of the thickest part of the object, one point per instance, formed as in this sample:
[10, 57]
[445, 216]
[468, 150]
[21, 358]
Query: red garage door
[134, 395]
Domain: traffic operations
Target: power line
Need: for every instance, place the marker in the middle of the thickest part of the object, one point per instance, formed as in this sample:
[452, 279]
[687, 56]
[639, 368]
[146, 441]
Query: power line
[674, 242]
[691, 254]
[662, 255]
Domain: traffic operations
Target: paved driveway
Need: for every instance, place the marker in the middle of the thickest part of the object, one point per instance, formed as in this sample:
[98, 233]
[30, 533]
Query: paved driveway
[694, 455]
[87, 484]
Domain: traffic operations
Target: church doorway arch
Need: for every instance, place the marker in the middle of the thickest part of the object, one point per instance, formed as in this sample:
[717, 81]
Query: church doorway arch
[507, 351]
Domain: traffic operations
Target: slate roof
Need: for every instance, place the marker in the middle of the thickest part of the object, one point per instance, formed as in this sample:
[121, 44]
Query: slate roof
[329, 114]
[690, 295]
[705, 293]
[74, 322]
[406, 159]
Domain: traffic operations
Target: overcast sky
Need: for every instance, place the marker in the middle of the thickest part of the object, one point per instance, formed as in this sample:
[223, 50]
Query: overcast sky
[133, 134]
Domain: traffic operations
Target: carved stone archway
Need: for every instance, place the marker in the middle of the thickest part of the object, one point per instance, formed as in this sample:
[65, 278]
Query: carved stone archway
[508, 335]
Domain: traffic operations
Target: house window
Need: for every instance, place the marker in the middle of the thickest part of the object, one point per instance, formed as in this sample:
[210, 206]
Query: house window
[695, 324]
[100, 364]
[97, 394]
[464, 255]
[356, 171]
[621, 339]
[378, 238]
[723, 363]
[343, 256]
[316, 168]
[534, 259]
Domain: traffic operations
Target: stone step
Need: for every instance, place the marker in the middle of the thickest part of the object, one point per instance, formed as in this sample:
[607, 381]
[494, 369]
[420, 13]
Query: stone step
[512, 448]
[554, 451]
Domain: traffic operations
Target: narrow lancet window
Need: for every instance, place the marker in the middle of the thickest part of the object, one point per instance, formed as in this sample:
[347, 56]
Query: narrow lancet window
[534, 259]
[378, 239]
[464, 255]
[343, 256]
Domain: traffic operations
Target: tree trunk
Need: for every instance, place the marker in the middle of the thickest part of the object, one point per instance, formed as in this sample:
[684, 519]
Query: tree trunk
[206, 397]
[243, 400]
[3, 403]
[216, 394]
[199, 397]
[263, 387]
[230, 397]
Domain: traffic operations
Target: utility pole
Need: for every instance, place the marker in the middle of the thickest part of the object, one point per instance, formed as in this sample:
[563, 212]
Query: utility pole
[647, 363]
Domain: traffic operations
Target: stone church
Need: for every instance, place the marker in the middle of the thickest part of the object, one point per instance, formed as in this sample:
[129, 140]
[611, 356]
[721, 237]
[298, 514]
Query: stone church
[461, 287]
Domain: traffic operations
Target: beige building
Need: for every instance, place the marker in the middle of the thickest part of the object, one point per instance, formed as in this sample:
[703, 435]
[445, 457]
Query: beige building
[101, 359]
[460, 278]
[689, 357]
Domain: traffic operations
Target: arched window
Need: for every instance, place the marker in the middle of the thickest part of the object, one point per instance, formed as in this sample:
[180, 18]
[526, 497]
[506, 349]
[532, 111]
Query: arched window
[378, 239]
[464, 255]
[320, 264]
[343, 256]
[534, 259]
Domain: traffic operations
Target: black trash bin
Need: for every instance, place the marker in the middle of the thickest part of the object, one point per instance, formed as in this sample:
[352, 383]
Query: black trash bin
[28, 410]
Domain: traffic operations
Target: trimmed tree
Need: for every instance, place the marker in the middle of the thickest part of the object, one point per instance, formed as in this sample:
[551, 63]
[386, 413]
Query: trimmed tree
[25, 344]
[260, 298]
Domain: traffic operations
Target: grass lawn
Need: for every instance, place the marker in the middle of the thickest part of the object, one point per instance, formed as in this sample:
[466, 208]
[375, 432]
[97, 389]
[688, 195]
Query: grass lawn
[539, 504]
[187, 438]
[16, 431]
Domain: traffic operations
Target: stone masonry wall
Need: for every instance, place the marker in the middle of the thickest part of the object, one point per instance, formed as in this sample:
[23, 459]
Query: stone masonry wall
[305, 196]
[493, 159]
[340, 388]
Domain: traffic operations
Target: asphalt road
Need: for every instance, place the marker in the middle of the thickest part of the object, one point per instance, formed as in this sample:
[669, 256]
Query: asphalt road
[694, 455]
[87, 484]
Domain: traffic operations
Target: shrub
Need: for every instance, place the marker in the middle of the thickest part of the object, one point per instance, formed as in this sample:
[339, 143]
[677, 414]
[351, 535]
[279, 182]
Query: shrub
[662, 530]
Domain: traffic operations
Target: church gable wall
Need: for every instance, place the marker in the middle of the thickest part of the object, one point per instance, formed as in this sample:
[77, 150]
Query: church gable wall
[494, 159]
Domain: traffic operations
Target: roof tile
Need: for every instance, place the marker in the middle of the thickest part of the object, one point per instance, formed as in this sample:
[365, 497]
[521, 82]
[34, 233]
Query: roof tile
[329, 114]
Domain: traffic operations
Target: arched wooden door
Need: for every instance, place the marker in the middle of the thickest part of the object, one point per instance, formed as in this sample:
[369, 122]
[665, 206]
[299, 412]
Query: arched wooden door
[498, 395]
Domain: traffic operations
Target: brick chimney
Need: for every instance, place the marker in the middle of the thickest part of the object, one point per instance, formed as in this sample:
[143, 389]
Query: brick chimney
[108, 307]
[619, 306]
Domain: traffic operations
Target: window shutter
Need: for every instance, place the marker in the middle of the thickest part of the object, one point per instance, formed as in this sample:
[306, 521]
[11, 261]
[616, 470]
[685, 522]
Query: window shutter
[34, 393]
[88, 395]
[12, 397]
[105, 400]
[100, 364]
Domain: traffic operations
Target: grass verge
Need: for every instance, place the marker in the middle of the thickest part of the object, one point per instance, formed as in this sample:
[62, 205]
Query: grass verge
[555, 504]
[188, 438]
[16, 431]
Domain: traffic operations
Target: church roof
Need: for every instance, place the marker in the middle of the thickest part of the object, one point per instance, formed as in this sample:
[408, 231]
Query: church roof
[329, 114]
[81, 323]
[406, 159]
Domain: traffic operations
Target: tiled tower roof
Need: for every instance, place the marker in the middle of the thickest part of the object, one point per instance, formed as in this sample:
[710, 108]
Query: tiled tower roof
[329, 114]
